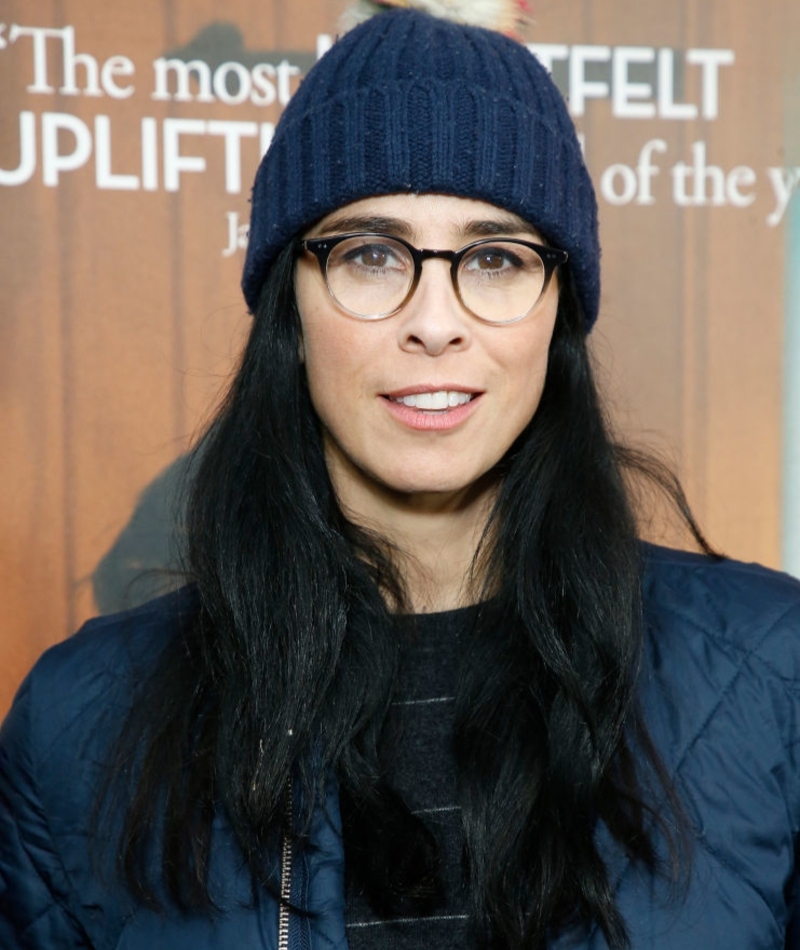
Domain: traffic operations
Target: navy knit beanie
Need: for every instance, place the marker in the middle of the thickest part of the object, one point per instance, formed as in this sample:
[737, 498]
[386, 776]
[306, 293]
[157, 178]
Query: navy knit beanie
[407, 102]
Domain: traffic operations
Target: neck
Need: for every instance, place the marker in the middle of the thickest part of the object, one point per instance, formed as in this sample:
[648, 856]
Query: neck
[435, 537]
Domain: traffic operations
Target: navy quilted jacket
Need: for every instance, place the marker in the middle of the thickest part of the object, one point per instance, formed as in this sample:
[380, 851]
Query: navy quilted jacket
[721, 694]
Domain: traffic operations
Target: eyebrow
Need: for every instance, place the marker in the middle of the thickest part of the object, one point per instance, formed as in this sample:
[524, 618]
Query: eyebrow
[505, 224]
[345, 223]
[474, 228]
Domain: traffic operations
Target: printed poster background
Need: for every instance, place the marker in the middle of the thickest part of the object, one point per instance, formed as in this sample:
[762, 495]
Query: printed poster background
[123, 211]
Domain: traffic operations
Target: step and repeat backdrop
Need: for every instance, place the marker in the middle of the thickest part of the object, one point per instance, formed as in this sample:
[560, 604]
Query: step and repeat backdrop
[129, 137]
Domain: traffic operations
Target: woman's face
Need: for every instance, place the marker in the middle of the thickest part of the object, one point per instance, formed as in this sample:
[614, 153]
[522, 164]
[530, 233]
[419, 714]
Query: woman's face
[361, 372]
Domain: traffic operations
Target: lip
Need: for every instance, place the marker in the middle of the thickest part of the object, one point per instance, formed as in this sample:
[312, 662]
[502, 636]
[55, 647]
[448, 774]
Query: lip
[426, 420]
[431, 388]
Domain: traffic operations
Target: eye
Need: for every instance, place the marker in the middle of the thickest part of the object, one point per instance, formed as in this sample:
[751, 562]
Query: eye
[493, 260]
[369, 274]
[371, 257]
[501, 261]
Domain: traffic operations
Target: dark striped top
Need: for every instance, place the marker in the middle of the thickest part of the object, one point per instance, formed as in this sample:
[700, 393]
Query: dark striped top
[423, 773]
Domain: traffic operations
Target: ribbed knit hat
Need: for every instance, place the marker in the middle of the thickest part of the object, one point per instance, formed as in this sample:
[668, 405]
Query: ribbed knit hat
[407, 102]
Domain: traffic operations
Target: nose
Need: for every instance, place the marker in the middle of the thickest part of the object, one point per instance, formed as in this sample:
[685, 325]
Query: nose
[434, 320]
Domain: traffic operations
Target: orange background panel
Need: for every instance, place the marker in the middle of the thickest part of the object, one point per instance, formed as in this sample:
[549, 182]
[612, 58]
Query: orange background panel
[122, 318]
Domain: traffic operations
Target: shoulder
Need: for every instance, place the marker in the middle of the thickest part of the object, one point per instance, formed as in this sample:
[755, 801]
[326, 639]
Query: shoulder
[90, 677]
[107, 652]
[720, 689]
[745, 609]
[74, 699]
[718, 628]
[97, 668]
[53, 750]
[720, 682]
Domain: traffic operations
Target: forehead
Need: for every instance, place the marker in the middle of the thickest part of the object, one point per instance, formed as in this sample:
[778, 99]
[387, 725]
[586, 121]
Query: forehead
[425, 218]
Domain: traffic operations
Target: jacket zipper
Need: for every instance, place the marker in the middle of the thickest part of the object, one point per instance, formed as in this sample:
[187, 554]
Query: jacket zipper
[286, 876]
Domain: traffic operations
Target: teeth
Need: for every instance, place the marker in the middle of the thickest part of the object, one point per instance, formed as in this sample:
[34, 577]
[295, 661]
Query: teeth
[443, 399]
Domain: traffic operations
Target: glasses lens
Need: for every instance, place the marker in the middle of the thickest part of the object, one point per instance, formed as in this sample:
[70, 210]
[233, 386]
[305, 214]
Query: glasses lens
[369, 275]
[500, 281]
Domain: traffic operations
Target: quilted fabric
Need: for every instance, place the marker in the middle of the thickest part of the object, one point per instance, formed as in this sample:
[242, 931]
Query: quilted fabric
[720, 688]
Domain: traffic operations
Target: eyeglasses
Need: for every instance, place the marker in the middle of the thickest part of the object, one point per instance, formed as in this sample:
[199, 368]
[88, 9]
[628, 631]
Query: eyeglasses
[372, 275]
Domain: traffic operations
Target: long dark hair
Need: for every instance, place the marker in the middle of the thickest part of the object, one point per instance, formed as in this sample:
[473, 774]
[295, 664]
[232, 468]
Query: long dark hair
[287, 669]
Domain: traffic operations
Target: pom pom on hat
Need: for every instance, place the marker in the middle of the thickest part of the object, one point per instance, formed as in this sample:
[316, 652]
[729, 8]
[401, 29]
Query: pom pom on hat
[407, 102]
[505, 16]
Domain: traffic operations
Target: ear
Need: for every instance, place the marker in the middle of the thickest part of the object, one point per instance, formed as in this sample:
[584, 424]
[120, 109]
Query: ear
[301, 348]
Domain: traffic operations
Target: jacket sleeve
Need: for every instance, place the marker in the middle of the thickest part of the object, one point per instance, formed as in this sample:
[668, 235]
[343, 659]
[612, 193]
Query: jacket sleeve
[34, 891]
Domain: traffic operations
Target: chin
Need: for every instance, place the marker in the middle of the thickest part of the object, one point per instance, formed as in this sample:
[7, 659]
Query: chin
[433, 484]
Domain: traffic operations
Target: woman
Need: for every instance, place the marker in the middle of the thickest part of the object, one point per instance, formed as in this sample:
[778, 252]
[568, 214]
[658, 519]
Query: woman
[426, 688]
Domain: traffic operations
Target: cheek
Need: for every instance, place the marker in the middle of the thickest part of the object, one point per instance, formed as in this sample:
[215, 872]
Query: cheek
[525, 398]
[322, 345]
[527, 368]
[337, 362]
[325, 366]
